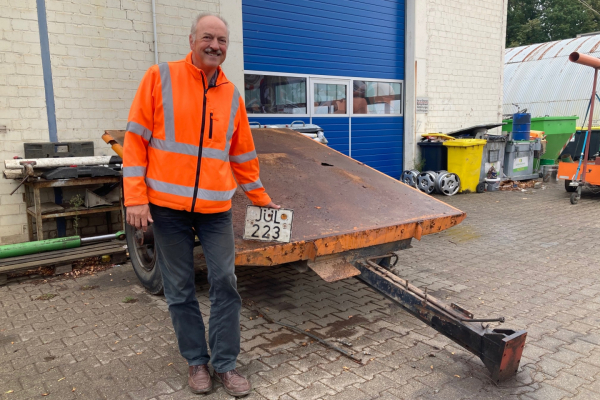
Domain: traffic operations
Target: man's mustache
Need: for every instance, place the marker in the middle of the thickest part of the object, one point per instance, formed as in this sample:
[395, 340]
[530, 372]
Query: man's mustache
[212, 51]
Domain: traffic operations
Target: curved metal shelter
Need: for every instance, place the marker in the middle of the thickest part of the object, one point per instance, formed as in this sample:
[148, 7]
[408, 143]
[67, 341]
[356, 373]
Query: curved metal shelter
[540, 78]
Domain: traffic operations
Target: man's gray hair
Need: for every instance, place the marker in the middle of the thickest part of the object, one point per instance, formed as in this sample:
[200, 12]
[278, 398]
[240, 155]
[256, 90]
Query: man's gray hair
[199, 17]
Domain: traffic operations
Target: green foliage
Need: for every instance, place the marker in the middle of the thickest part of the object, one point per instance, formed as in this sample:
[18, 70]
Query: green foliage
[129, 300]
[76, 202]
[539, 21]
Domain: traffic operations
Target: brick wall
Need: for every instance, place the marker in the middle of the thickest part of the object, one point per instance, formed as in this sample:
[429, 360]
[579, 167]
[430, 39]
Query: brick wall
[457, 47]
[99, 50]
[465, 46]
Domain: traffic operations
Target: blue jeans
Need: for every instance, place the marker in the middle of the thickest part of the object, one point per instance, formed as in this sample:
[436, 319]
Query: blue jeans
[175, 238]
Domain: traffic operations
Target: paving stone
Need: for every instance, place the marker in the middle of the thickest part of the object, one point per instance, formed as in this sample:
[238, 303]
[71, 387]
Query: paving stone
[95, 346]
[376, 385]
[306, 363]
[371, 369]
[585, 394]
[351, 393]
[282, 387]
[153, 391]
[584, 370]
[568, 382]
[548, 392]
[313, 391]
[343, 380]
[281, 371]
[310, 376]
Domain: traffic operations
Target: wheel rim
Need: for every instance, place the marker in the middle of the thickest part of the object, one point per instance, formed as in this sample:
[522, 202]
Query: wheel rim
[426, 181]
[449, 184]
[409, 177]
[141, 247]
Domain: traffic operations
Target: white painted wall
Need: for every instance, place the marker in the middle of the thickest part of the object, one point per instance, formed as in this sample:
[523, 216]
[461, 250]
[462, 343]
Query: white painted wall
[455, 58]
[99, 51]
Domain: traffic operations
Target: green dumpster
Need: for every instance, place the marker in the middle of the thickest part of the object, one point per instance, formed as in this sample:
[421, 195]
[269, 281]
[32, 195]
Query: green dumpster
[558, 131]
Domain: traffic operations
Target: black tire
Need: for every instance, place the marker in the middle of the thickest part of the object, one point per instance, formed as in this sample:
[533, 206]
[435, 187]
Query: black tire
[480, 187]
[568, 188]
[574, 198]
[143, 259]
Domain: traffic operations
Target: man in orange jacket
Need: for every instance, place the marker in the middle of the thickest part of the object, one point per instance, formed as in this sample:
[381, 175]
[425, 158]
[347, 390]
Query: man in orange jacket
[187, 131]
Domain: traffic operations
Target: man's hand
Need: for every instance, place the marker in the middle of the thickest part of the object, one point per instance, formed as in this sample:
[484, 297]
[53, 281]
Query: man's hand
[139, 216]
[273, 205]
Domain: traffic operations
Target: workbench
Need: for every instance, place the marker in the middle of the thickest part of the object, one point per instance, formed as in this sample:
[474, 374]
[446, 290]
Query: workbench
[33, 201]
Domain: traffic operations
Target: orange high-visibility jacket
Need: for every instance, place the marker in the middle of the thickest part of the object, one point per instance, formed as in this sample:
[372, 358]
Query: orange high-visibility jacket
[183, 140]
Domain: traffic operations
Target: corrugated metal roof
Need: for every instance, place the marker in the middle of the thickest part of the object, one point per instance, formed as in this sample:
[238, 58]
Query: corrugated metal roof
[541, 78]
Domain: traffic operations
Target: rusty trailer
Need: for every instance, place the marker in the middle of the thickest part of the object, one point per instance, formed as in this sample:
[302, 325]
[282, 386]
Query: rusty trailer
[349, 219]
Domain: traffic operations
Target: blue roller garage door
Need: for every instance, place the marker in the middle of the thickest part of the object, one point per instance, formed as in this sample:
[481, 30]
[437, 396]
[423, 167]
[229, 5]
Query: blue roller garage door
[335, 63]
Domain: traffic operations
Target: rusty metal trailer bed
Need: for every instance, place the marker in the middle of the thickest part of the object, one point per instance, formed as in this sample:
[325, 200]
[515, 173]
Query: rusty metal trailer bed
[348, 221]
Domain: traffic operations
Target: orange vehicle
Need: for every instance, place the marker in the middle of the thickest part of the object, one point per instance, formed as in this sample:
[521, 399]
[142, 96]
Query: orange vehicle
[348, 221]
[585, 172]
[568, 171]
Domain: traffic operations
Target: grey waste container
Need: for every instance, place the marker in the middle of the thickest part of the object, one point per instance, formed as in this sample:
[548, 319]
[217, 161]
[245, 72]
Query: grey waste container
[493, 155]
[519, 159]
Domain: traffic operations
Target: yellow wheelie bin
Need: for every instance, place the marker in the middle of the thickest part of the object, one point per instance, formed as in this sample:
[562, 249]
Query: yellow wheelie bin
[464, 159]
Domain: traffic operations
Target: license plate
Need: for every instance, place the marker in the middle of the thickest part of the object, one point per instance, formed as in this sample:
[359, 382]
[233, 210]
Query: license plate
[268, 224]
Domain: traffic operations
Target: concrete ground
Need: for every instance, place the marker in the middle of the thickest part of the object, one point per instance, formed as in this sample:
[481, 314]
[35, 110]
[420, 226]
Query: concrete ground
[531, 257]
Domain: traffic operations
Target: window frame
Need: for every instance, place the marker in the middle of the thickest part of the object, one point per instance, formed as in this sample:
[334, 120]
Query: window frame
[315, 81]
[329, 79]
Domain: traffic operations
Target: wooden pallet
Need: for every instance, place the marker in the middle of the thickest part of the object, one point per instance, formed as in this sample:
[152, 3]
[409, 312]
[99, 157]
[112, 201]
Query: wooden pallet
[61, 260]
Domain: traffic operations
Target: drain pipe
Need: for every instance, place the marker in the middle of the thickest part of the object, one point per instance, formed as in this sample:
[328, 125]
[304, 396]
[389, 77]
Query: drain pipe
[154, 29]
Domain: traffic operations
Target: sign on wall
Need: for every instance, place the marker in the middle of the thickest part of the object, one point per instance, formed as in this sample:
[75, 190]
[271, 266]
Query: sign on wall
[422, 105]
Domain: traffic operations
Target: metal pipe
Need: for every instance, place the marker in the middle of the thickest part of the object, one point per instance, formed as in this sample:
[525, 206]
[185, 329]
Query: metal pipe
[584, 59]
[154, 31]
[589, 132]
[47, 70]
[119, 235]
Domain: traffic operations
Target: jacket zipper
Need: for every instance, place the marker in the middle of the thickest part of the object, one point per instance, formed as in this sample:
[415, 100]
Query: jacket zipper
[210, 127]
[200, 146]
[204, 86]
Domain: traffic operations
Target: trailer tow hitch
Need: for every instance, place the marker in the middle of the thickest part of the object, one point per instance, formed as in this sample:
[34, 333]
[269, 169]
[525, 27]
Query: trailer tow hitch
[499, 349]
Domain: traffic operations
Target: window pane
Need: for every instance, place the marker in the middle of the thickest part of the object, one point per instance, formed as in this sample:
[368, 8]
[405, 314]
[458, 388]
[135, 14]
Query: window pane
[372, 97]
[268, 94]
[330, 99]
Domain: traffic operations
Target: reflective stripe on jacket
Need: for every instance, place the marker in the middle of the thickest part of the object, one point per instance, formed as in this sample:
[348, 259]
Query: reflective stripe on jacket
[184, 139]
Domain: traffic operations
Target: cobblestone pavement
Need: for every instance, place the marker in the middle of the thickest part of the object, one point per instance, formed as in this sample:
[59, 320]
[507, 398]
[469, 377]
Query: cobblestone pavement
[531, 257]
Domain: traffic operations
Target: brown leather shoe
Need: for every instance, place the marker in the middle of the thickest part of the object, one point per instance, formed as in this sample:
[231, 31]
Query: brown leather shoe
[199, 379]
[234, 383]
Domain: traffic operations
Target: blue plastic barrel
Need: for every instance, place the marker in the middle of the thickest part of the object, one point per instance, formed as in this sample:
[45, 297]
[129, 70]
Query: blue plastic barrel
[521, 126]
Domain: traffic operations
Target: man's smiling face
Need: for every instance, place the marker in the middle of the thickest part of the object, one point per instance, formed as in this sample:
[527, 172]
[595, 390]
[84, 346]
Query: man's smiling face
[209, 46]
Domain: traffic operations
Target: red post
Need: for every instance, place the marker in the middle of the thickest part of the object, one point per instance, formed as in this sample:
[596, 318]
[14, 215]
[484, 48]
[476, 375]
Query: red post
[589, 132]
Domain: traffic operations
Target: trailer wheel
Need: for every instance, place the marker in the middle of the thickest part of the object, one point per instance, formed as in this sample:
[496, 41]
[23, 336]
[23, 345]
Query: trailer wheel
[574, 198]
[569, 188]
[142, 252]
[480, 187]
